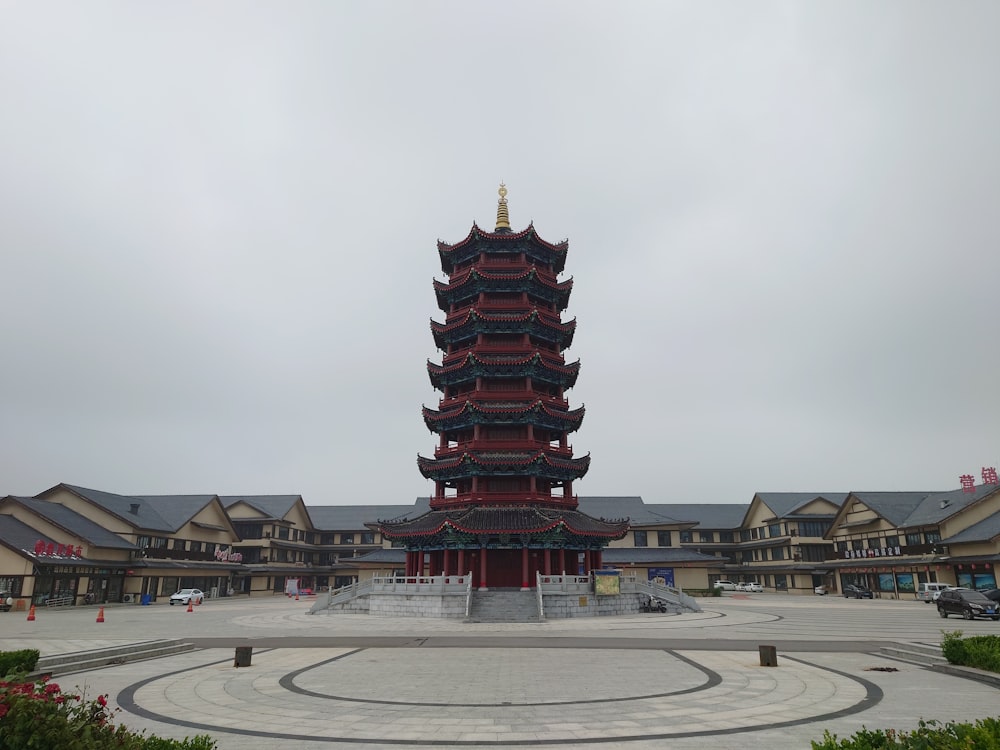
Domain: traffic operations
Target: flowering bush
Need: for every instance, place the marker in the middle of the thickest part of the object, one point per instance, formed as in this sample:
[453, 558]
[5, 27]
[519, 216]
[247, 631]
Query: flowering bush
[38, 715]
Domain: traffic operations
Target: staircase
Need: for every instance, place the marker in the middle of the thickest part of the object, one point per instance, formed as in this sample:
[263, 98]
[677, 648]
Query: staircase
[504, 605]
[60, 664]
[927, 654]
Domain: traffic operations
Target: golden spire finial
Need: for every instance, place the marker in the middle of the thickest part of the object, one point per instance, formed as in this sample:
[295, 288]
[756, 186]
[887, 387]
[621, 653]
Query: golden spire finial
[503, 220]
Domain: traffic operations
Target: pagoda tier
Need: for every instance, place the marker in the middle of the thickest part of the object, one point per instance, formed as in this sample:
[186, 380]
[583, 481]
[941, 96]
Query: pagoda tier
[505, 526]
[467, 415]
[464, 328]
[499, 463]
[502, 245]
[530, 284]
[510, 367]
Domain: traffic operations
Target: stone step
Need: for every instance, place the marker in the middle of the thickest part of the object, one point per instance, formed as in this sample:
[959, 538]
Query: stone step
[61, 664]
[504, 605]
[915, 653]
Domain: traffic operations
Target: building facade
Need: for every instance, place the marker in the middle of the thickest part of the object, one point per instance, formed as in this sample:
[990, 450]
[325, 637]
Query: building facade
[71, 545]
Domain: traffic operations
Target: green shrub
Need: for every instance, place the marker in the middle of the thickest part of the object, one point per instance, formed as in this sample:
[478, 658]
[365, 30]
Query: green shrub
[952, 646]
[979, 651]
[38, 715]
[929, 735]
[23, 661]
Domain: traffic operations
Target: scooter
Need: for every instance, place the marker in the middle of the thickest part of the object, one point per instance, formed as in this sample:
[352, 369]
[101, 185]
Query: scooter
[652, 604]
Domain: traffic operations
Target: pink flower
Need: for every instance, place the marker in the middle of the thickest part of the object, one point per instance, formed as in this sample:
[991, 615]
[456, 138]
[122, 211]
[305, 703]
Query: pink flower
[102, 700]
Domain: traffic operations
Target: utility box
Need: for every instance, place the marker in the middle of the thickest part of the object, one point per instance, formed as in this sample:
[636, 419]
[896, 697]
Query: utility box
[243, 654]
[768, 656]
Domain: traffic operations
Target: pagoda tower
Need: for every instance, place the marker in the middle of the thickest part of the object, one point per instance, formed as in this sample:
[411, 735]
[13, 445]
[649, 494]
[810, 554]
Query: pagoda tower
[503, 506]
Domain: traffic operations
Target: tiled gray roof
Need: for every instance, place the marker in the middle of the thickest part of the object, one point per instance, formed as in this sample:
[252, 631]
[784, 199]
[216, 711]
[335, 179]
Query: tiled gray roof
[930, 510]
[146, 518]
[640, 513]
[20, 537]
[395, 557]
[626, 506]
[177, 510]
[985, 531]
[273, 506]
[706, 515]
[649, 555]
[76, 524]
[786, 503]
[354, 517]
[895, 507]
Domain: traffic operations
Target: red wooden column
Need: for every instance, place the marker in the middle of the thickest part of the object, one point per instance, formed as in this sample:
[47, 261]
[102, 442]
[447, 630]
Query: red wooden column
[524, 569]
[461, 563]
[482, 569]
[409, 564]
[548, 561]
[598, 559]
[444, 562]
[586, 562]
[562, 560]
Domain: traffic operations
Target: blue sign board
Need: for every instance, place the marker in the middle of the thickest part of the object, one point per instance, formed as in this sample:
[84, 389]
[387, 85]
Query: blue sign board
[662, 575]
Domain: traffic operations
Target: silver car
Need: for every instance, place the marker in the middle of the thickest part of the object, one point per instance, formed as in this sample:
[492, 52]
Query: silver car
[187, 596]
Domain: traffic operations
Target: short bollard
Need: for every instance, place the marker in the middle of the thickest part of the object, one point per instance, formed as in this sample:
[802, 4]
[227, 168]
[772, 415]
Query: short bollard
[243, 654]
[768, 656]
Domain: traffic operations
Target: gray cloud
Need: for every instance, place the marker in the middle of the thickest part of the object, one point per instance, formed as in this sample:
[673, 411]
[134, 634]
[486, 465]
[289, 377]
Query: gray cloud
[218, 225]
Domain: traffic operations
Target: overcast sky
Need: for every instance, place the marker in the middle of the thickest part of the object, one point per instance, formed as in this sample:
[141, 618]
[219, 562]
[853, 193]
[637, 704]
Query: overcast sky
[218, 227]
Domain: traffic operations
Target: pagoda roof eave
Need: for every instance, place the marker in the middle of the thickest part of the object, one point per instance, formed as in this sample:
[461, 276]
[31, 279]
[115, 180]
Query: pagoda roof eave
[481, 520]
[477, 232]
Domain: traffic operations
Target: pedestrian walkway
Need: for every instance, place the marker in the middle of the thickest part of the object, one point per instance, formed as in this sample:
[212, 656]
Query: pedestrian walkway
[607, 682]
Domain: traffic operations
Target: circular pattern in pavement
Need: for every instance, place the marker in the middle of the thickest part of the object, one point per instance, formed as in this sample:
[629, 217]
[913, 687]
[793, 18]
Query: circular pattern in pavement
[516, 696]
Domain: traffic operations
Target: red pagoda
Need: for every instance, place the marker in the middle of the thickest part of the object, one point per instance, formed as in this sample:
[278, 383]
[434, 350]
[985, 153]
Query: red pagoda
[503, 506]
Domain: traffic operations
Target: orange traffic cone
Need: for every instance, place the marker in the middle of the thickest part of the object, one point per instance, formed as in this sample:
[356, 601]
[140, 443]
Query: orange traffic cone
[100, 615]
[190, 606]
[31, 614]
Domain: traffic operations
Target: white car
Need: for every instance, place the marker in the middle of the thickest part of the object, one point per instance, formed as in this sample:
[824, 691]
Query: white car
[185, 596]
[751, 586]
[725, 585]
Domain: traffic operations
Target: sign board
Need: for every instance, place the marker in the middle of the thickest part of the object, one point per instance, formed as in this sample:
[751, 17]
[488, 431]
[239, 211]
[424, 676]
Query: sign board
[607, 582]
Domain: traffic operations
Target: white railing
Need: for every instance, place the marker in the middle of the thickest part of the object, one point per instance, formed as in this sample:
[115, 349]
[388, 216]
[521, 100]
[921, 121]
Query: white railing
[669, 594]
[538, 593]
[468, 597]
[458, 584]
[564, 584]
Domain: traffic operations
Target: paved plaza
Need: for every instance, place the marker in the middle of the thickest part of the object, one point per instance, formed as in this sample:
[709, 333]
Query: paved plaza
[637, 682]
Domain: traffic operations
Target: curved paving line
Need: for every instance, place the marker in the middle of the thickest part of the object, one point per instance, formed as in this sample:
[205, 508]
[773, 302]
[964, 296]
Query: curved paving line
[874, 694]
[712, 679]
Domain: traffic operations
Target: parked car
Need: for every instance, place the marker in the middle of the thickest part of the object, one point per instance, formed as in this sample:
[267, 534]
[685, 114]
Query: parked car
[6, 601]
[854, 591]
[929, 592]
[185, 596]
[967, 603]
[725, 585]
[751, 586]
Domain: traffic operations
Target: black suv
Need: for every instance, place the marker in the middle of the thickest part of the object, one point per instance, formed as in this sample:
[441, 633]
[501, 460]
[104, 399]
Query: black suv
[967, 603]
